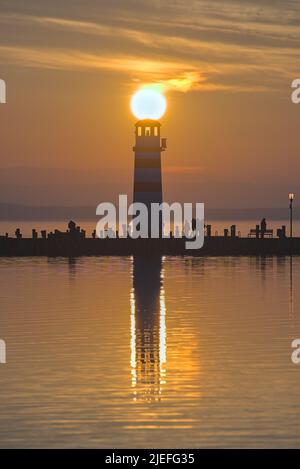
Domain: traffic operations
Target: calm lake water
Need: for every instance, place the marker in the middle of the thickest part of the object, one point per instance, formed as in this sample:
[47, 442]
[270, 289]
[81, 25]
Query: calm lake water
[173, 352]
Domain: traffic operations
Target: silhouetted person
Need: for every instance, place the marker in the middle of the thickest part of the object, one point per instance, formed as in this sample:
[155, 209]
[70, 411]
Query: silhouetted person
[72, 226]
[263, 227]
[196, 227]
[281, 232]
[208, 231]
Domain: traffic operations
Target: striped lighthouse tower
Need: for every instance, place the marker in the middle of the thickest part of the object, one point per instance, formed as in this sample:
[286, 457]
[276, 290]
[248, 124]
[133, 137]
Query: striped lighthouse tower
[147, 164]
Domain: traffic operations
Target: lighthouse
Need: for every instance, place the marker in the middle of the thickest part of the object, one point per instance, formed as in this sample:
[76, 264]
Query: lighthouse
[148, 106]
[147, 162]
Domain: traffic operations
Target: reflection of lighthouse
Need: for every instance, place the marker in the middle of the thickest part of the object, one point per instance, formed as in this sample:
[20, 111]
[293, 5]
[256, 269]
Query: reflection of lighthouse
[147, 166]
[148, 329]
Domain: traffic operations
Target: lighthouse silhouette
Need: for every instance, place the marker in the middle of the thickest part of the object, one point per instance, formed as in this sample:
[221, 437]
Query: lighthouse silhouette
[147, 164]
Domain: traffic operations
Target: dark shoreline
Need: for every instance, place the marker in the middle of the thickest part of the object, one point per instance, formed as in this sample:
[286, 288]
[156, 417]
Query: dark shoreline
[213, 246]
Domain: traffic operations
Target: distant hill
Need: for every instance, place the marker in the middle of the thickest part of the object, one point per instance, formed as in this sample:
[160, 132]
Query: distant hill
[81, 191]
[25, 212]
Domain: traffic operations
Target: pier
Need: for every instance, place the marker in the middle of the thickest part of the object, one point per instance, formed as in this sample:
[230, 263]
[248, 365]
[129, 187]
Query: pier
[74, 242]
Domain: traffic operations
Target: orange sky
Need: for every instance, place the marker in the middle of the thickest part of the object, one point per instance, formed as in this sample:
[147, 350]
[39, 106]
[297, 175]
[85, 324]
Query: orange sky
[226, 66]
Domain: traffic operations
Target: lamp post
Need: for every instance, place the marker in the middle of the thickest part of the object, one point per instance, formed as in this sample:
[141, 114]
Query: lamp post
[291, 197]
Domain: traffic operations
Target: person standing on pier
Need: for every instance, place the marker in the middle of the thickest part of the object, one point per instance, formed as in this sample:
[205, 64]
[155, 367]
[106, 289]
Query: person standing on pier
[263, 227]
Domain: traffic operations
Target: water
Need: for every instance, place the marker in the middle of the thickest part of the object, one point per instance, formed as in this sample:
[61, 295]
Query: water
[121, 352]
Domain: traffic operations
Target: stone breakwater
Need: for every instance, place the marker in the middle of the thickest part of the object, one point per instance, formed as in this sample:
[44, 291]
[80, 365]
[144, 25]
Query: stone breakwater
[68, 246]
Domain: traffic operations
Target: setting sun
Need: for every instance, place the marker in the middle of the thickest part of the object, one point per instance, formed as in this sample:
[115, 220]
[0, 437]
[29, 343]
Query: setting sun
[148, 104]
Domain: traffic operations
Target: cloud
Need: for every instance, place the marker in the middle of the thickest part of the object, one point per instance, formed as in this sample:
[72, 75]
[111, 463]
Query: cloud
[188, 81]
[206, 47]
[169, 76]
[78, 60]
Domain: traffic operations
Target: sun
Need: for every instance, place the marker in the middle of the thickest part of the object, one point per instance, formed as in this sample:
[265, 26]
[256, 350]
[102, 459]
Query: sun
[148, 104]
